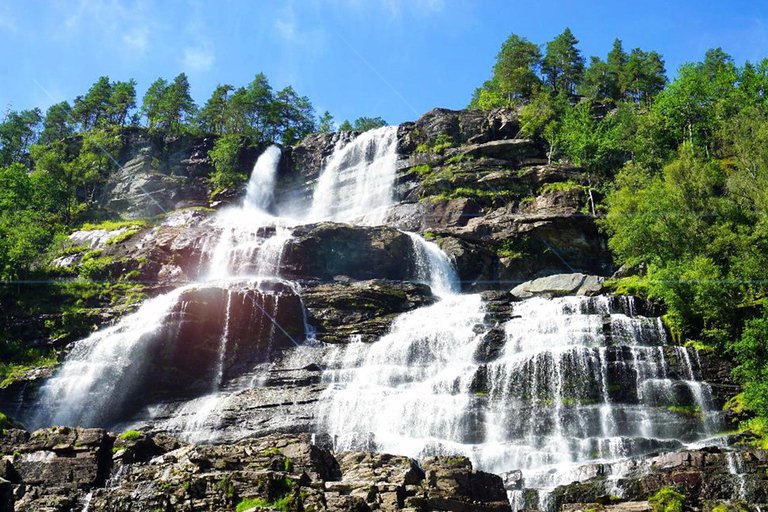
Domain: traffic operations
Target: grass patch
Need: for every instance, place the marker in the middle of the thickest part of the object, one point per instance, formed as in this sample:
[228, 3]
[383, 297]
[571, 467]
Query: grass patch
[559, 186]
[113, 225]
[249, 503]
[9, 372]
[122, 237]
[632, 286]
[684, 410]
[131, 435]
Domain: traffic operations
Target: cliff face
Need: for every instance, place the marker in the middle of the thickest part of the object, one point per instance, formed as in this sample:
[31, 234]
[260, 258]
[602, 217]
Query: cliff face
[245, 370]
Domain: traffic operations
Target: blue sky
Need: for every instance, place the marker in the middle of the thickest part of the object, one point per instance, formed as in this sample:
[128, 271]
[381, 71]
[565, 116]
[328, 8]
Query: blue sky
[391, 58]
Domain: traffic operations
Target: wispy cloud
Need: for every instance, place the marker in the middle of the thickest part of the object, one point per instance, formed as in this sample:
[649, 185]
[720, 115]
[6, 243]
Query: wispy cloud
[288, 27]
[198, 58]
[7, 19]
[119, 23]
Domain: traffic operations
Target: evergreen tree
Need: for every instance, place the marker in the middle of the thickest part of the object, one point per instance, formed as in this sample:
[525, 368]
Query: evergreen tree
[177, 105]
[93, 108]
[121, 101]
[363, 124]
[644, 75]
[214, 115]
[514, 74]
[597, 82]
[615, 67]
[56, 125]
[325, 123]
[563, 64]
[152, 103]
[17, 133]
[346, 126]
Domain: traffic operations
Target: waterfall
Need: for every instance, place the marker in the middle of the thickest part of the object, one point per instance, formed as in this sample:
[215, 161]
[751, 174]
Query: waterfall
[260, 192]
[357, 183]
[433, 267]
[103, 375]
[103, 370]
[577, 379]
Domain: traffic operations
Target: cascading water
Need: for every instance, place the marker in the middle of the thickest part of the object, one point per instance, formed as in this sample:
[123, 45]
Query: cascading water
[561, 382]
[578, 379]
[357, 184]
[242, 259]
[103, 370]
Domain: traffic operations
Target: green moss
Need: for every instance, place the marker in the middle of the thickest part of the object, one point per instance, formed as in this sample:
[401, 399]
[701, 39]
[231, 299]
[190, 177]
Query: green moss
[422, 170]
[122, 237]
[131, 435]
[684, 410]
[113, 225]
[461, 157]
[758, 428]
[735, 404]
[226, 487]
[561, 186]
[443, 142]
[699, 345]
[249, 503]
[422, 148]
[10, 372]
[667, 500]
[288, 465]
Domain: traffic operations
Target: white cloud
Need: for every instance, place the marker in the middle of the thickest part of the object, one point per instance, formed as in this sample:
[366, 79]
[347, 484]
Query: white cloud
[286, 29]
[199, 58]
[7, 19]
[138, 40]
[119, 23]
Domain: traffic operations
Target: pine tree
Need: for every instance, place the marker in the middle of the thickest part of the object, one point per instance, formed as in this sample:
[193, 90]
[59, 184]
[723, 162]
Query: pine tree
[563, 64]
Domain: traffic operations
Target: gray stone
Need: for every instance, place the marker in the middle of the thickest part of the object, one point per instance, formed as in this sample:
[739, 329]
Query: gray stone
[559, 285]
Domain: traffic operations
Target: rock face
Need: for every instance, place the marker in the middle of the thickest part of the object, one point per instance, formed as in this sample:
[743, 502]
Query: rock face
[709, 479]
[559, 285]
[329, 250]
[63, 469]
[362, 310]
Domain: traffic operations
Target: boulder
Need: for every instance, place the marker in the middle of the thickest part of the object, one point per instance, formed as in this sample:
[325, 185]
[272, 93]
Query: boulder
[364, 311]
[329, 250]
[559, 285]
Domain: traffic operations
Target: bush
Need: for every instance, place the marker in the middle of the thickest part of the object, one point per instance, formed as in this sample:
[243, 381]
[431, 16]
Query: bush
[667, 500]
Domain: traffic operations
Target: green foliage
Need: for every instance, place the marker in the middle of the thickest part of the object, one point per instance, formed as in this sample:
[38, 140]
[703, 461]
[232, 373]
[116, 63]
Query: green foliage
[563, 64]
[363, 124]
[131, 435]
[169, 106]
[225, 159]
[279, 504]
[114, 225]
[667, 500]
[751, 352]
[346, 126]
[514, 75]
[17, 133]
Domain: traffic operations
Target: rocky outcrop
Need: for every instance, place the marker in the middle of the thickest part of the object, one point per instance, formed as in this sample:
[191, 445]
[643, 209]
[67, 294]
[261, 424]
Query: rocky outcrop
[63, 469]
[559, 285]
[707, 478]
[360, 311]
[328, 251]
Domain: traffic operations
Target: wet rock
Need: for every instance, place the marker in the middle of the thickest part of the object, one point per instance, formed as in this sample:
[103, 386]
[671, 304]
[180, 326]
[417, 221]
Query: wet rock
[559, 285]
[343, 312]
[325, 251]
[290, 469]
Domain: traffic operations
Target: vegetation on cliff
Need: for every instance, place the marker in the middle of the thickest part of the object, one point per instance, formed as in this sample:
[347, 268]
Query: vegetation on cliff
[688, 163]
